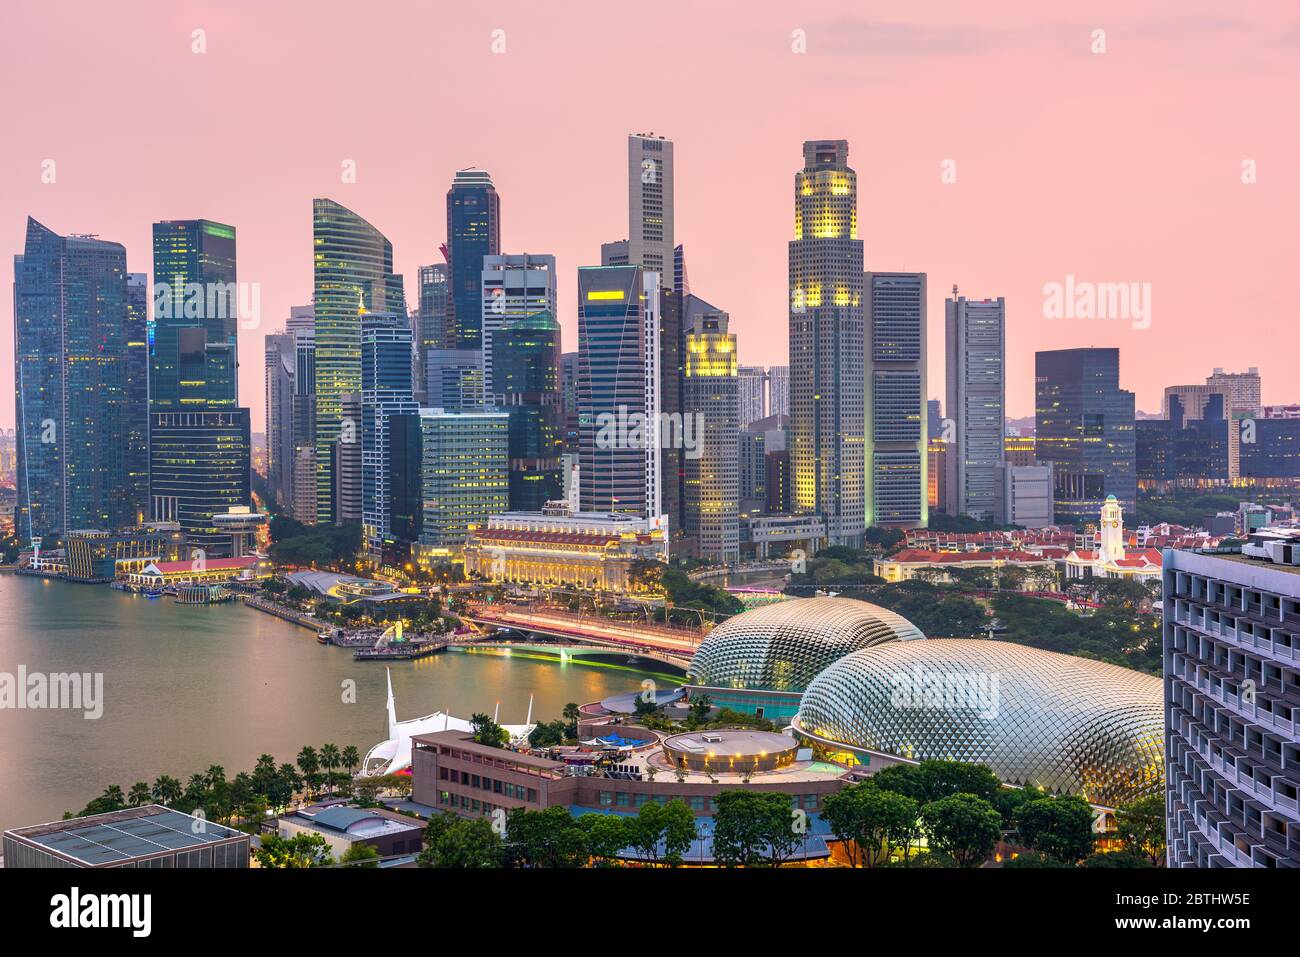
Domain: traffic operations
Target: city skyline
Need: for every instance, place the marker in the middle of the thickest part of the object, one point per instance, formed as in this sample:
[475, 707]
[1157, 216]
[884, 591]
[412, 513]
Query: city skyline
[1058, 202]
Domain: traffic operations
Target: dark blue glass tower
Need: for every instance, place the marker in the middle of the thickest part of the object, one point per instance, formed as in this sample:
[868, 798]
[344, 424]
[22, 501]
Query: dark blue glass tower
[72, 335]
[473, 231]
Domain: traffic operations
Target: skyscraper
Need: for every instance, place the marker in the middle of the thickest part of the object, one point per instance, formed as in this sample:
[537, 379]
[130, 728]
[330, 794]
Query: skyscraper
[352, 275]
[463, 471]
[513, 287]
[976, 400]
[301, 326]
[752, 388]
[434, 316]
[1084, 424]
[386, 390]
[73, 331]
[138, 326]
[526, 385]
[281, 364]
[1243, 395]
[618, 377]
[473, 232]
[826, 343]
[650, 206]
[778, 400]
[897, 450]
[569, 400]
[712, 459]
[199, 439]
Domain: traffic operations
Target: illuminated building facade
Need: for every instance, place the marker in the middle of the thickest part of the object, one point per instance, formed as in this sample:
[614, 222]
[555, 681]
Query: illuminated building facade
[588, 550]
[464, 473]
[827, 348]
[1068, 725]
[513, 287]
[352, 275]
[618, 390]
[712, 459]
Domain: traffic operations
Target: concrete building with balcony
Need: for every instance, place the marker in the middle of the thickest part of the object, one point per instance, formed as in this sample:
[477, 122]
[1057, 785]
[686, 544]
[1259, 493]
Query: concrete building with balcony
[1232, 704]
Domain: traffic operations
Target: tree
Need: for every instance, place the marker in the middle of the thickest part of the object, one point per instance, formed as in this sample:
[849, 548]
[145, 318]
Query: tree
[1057, 827]
[360, 855]
[871, 822]
[460, 842]
[1124, 858]
[486, 731]
[139, 795]
[670, 825]
[754, 829]
[934, 779]
[571, 714]
[549, 838]
[309, 765]
[330, 758]
[700, 707]
[351, 758]
[1140, 825]
[607, 835]
[167, 790]
[963, 826]
[301, 850]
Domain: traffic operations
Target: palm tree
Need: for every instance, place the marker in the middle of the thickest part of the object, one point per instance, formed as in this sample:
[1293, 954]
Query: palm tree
[167, 789]
[329, 760]
[215, 775]
[351, 758]
[139, 795]
[113, 797]
[309, 764]
[196, 789]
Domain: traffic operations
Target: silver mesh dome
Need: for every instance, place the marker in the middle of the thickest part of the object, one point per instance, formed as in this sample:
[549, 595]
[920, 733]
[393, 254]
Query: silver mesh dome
[782, 647]
[1070, 725]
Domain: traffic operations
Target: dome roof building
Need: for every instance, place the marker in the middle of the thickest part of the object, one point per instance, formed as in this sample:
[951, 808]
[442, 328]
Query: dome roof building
[1069, 725]
[764, 658]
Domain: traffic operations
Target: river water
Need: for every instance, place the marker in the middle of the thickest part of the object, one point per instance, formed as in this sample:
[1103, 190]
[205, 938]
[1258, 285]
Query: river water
[188, 686]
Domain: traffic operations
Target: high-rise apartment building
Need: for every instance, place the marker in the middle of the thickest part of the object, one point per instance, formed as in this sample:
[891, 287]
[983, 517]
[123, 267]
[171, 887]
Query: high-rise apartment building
[473, 232]
[896, 457]
[73, 331]
[976, 399]
[1231, 626]
[352, 275]
[827, 346]
[650, 206]
[712, 460]
[1084, 426]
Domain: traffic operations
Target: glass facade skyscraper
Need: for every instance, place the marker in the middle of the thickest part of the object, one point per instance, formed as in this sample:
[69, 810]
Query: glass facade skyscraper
[352, 275]
[1084, 424]
[463, 472]
[897, 454]
[711, 407]
[73, 335]
[473, 231]
[200, 448]
[526, 385]
[827, 349]
[976, 397]
[385, 391]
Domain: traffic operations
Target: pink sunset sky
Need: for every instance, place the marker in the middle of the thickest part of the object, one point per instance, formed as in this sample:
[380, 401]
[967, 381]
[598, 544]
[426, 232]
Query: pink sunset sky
[1124, 166]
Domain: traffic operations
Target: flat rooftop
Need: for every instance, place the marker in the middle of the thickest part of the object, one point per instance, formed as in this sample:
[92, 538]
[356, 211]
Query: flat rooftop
[730, 742]
[119, 836]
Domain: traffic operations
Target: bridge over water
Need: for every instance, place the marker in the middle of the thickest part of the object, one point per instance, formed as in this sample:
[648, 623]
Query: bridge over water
[674, 645]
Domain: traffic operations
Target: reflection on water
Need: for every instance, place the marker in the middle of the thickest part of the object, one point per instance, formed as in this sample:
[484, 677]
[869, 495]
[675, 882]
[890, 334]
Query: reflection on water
[187, 686]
